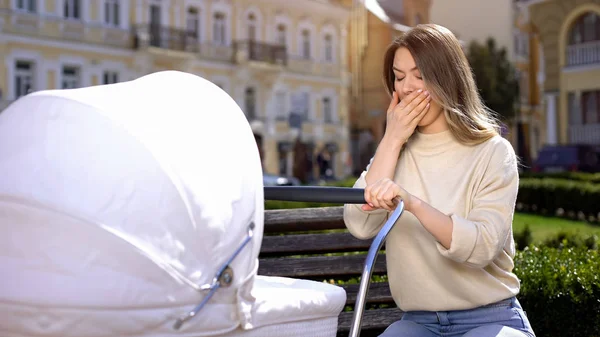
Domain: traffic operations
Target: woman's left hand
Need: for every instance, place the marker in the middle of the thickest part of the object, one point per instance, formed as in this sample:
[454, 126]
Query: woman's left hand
[385, 194]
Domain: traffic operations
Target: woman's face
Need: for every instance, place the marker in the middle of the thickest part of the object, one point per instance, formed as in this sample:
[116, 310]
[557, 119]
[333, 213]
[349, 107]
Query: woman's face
[408, 79]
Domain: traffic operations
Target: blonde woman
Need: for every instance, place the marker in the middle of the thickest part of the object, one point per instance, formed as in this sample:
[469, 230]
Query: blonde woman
[450, 256]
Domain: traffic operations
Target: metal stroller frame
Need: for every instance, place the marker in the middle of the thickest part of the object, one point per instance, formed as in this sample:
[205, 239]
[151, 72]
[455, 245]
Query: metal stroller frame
[344, 195]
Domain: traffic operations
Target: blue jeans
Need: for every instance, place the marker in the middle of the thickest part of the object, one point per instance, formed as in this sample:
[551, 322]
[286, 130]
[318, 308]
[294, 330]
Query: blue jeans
[501, 319]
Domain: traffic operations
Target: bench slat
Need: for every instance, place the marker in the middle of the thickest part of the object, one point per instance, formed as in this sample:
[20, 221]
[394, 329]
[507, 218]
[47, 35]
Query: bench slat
[372, 319]
[313, 243]
[318, 266]
[303, 219]
[379, 292]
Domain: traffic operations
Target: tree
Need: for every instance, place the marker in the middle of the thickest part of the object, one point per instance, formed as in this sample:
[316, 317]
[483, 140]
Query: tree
[496, 78]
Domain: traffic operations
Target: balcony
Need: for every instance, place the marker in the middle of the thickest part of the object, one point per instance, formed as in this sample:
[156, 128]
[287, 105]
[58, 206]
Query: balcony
[58, 28]
[260, 52]
[584, 134]
[310, 67]
[180, 40]
[255, 52]
[583, 54]
[165, 38]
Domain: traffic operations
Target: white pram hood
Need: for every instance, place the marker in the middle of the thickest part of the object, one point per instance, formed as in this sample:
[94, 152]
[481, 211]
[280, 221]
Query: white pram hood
[117, 202]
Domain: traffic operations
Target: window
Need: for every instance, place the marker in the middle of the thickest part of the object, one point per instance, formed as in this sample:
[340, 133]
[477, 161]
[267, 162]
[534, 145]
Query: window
[250, 103]
[251, 27]
[328, 46]
[219, 28]
[281, 34]
[300, 103]
[72, 9]
[193, 23]
[280, 111]
[71, 77]
[327, 110]
[306, 44]
[283, 162]
[24, 78]
[111, 12]
[574, 112]
[27, 5]
[110, 77]
[590, 106]
[585, 29]
[521, 43]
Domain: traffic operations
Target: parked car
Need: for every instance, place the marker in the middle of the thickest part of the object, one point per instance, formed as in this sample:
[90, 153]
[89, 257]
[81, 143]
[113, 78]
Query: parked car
[278, 180]
[559, 158]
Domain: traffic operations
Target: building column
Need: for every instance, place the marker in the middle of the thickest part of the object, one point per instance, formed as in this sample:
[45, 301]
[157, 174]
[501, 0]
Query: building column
[551, 118]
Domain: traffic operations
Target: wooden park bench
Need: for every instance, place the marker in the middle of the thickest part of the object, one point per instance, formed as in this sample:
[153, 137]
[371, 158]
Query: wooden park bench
[308, 243]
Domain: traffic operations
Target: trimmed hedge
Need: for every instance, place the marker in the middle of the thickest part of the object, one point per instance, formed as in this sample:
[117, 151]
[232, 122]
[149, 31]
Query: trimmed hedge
[560, 196]
[560, 290]
[577, 176]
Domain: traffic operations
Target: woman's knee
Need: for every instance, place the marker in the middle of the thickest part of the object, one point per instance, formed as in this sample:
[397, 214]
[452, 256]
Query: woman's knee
[404, 328]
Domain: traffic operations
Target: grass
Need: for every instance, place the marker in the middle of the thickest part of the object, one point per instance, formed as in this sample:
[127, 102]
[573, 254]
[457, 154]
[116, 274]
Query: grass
[543, 227]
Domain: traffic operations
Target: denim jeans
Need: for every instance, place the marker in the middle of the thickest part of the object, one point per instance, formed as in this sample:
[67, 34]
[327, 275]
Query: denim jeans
[501, 319]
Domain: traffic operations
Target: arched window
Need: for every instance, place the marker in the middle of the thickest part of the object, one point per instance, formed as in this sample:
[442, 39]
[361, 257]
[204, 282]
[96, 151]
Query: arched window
[306, 44]
[585, 29]
[251, 27]
[219, 28]
[584, 40]
[328, 47]
[250, 102]
[281, 34]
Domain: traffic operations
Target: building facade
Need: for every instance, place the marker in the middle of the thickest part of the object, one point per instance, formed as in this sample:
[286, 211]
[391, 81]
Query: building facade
[282, 61]
[569, 33]
[528, 60]
[373, 27]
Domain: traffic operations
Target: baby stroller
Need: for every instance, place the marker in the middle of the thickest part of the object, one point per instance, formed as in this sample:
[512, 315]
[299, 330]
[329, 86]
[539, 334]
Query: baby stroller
[136, 209]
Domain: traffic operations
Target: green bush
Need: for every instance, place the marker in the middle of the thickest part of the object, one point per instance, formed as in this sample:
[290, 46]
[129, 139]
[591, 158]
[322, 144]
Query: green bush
[550, 195]
[577, 176]
[523, 238]
[560, 290]
[572, 240]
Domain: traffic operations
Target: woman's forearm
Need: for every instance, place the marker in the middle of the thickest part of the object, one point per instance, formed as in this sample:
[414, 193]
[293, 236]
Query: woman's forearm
[435, 222]
[384, 161]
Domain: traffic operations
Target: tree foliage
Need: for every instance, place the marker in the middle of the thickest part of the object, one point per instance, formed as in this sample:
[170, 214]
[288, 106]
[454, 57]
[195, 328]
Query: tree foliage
[495, 76]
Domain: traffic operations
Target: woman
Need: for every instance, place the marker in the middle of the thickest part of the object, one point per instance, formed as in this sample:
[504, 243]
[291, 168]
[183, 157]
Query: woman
[450, 256]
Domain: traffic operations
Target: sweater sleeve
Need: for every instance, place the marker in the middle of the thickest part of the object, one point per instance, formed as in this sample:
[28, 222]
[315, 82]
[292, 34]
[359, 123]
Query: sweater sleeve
[363, 224]
[480, 236]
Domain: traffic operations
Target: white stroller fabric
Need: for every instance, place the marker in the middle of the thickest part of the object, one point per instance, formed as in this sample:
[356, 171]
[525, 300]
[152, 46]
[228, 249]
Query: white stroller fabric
[117, 202]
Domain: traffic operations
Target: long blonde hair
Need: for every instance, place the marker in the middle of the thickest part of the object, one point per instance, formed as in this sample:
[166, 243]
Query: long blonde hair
[448, 77]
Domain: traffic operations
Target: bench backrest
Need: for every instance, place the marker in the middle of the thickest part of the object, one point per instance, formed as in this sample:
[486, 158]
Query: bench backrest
[313, 243]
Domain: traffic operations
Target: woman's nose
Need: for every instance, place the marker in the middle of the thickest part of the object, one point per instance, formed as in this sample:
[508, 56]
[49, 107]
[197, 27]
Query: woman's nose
[408, 86]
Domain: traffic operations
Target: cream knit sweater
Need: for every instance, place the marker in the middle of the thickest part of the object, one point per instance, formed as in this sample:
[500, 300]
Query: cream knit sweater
[477, 186]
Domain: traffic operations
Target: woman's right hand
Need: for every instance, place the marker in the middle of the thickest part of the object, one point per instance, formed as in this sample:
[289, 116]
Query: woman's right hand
[403, 116]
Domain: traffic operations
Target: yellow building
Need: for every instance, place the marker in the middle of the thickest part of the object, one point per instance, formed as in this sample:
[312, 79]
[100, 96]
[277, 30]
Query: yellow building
[374, 25]
[275, 58]
[569, 32]
[528, 59]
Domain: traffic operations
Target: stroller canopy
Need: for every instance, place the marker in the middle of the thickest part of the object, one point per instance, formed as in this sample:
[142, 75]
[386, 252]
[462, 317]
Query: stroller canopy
[119, 202]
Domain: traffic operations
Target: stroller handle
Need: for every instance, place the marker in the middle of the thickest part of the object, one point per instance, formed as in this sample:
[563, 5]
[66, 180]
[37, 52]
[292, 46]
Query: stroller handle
[324, 194]
[345, 195]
